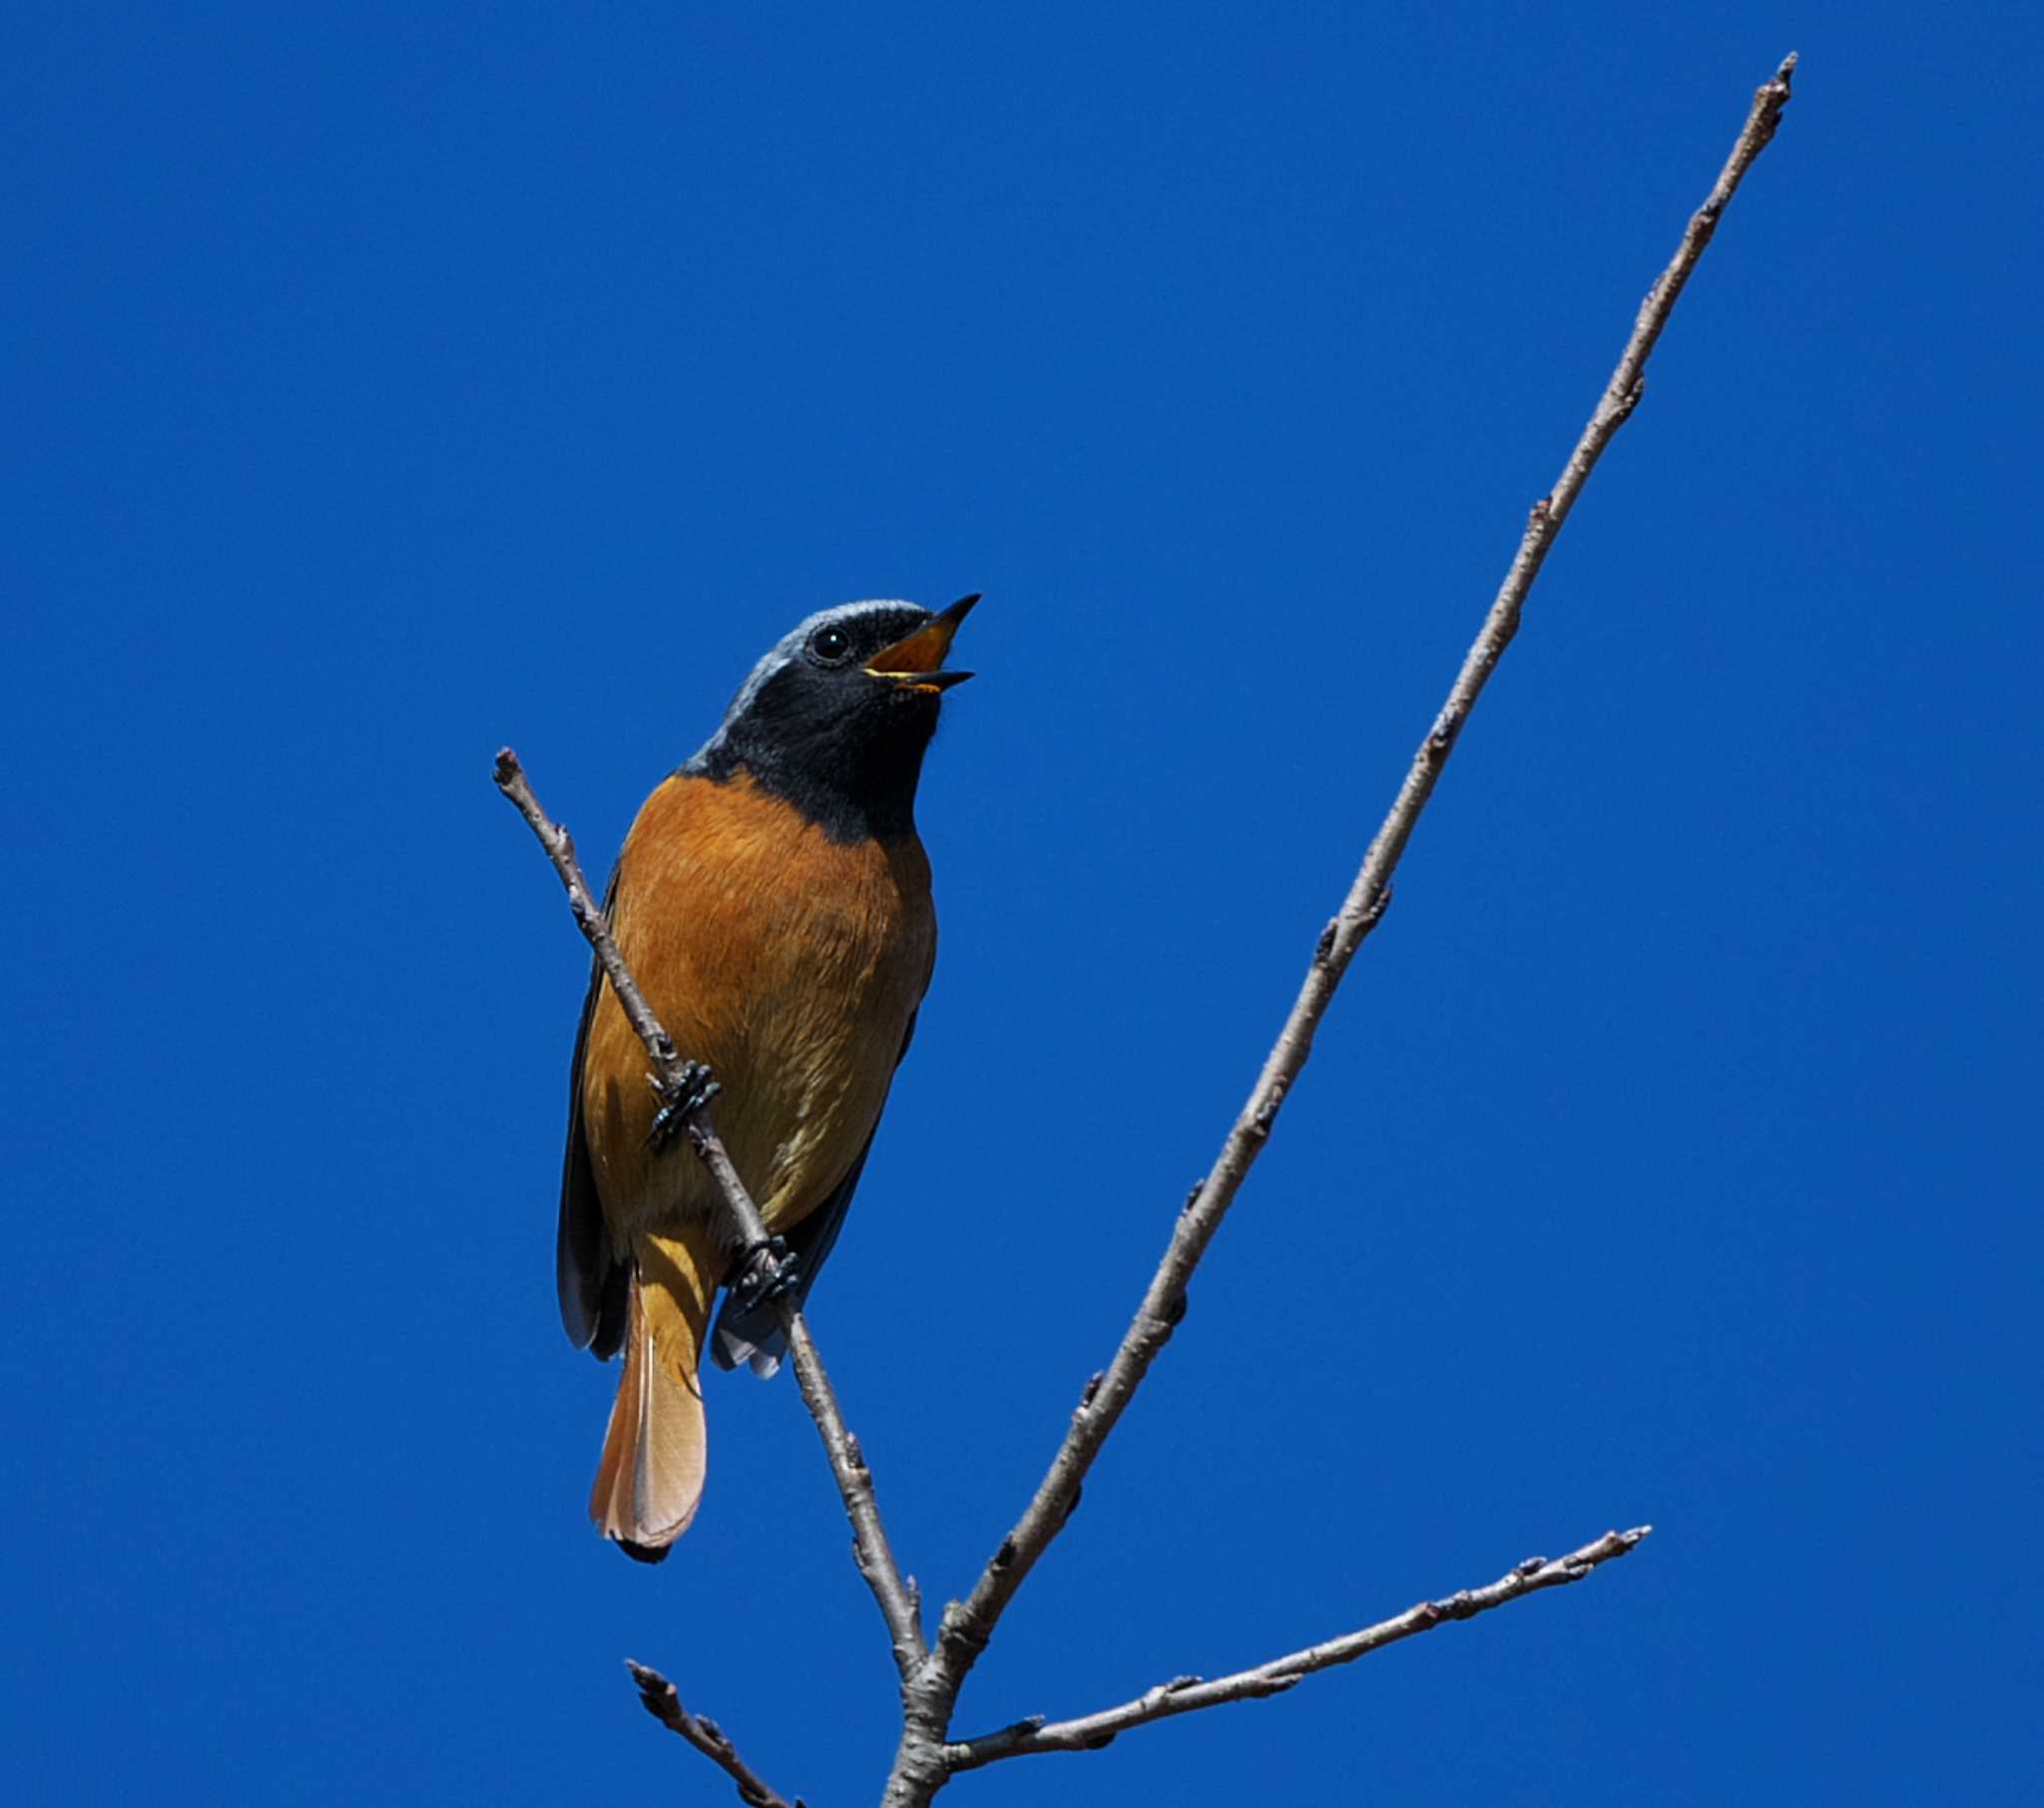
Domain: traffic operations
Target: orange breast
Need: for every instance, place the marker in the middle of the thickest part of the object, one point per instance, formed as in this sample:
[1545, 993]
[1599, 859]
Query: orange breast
[791, 963]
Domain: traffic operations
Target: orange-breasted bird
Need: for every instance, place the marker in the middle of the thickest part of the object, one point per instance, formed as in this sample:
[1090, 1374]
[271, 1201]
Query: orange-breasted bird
[773, 902]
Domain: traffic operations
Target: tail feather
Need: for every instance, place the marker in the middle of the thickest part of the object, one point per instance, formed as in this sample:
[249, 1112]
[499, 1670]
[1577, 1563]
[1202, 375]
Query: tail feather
[649, 1479]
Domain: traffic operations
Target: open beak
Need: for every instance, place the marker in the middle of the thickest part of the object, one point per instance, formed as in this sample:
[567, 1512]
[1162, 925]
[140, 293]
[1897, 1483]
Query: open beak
[917, 662]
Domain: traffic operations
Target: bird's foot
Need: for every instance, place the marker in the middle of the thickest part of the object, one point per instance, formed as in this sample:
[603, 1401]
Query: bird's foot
[690, 1089]
[760, 1276]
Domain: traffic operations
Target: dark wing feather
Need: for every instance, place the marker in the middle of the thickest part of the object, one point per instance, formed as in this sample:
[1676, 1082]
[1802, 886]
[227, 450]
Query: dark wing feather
[591, 1280]
[756, 1336]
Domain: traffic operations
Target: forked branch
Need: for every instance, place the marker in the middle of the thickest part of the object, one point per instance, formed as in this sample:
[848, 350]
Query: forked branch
[920, 1766]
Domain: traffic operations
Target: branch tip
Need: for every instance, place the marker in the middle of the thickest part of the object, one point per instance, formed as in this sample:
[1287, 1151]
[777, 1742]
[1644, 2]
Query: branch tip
[1189, 1695]
[662, 1702]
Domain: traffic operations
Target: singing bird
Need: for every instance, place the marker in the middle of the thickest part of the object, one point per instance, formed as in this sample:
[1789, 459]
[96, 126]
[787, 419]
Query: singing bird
[773, 902]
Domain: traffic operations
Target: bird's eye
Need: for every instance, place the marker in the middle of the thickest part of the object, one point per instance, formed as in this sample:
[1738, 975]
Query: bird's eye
[831, 644]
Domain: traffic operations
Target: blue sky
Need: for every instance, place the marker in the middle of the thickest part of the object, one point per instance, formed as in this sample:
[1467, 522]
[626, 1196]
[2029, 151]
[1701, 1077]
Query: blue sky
[388, 384]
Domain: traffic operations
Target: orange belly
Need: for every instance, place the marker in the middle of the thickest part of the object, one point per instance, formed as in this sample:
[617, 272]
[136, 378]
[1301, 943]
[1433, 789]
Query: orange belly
[791, 963]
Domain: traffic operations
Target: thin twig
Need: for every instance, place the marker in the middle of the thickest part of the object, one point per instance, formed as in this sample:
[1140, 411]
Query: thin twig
[1184, 1694]
[920, 1768]
[560, 846]
[898, 1600]
[664, 1702]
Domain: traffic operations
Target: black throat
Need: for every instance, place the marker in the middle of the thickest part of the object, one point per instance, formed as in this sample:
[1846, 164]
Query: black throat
[851, 765]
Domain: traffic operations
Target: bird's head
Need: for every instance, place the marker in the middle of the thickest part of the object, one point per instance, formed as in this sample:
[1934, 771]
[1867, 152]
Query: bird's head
[838, 715]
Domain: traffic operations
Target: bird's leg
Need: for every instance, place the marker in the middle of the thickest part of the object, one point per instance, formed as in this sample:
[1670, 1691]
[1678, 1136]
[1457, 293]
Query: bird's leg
[690, 1089]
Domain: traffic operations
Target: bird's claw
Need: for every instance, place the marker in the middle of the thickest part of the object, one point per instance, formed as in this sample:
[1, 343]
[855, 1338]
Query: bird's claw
[690, 1089]
[762, 1274]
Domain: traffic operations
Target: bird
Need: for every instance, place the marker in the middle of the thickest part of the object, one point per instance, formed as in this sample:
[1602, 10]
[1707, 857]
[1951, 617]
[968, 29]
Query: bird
[773, 900]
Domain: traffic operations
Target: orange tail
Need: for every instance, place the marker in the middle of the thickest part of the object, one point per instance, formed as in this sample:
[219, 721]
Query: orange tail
[650, 1477]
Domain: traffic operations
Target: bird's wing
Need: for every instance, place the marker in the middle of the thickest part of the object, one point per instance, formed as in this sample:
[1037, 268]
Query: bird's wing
[592, 1282]
[754, 1336]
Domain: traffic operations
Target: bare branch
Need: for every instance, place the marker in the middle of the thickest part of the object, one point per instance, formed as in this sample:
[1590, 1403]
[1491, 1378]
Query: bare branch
[560, 846]
[900, 1602]
[664, 1702]
[967, 1626]
[1186, 1694]
[897, 1601]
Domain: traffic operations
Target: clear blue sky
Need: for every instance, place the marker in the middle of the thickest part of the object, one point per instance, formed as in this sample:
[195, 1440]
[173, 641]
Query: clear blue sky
[388, 383]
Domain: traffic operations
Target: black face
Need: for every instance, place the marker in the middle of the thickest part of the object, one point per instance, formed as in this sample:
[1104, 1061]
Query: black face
[815, 727]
